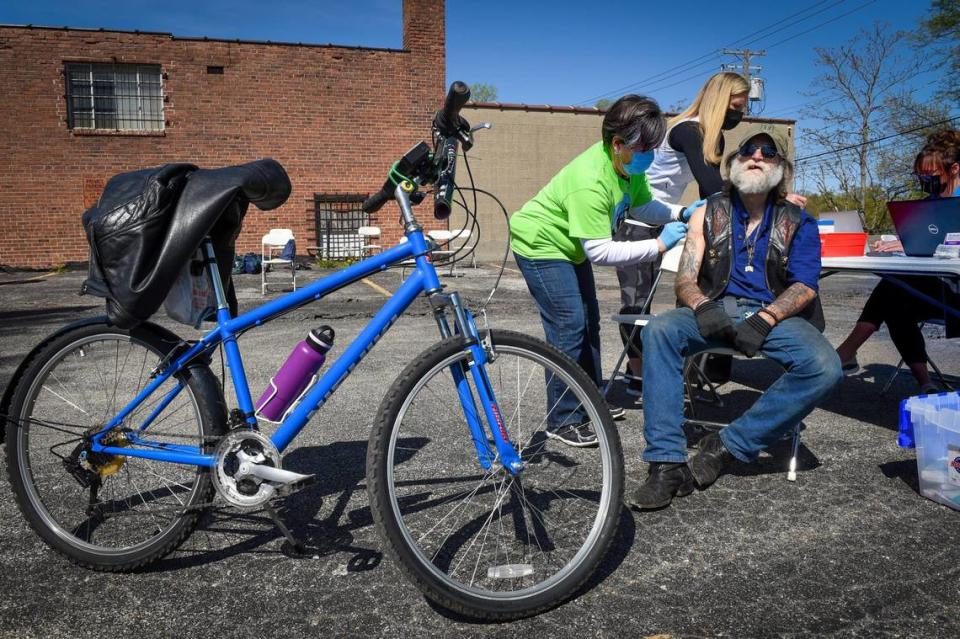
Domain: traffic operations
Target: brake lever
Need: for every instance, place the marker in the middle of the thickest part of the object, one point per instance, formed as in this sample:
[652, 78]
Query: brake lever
[482, 125]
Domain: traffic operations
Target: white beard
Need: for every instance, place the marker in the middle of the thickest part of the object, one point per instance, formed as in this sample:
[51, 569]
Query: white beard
[752, 183]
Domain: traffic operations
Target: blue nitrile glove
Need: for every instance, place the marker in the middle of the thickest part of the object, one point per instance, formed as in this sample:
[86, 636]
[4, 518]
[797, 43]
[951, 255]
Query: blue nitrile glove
[672, 233]
[687, 213]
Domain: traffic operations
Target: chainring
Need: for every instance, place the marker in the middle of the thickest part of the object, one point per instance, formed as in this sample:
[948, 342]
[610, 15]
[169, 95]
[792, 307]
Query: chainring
[244, 445]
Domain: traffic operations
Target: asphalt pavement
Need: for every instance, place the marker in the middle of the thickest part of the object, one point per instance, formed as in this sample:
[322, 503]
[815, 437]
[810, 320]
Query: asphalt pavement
[850, 549]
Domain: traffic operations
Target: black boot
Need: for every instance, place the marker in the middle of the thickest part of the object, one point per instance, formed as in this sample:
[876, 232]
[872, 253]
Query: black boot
[709, 463]
[664, 482]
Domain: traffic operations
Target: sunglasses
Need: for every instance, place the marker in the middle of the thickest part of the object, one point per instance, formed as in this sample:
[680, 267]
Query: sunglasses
[767, 151]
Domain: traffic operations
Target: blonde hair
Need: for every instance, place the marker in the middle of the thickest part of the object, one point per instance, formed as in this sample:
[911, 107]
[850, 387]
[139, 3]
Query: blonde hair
[711, 106]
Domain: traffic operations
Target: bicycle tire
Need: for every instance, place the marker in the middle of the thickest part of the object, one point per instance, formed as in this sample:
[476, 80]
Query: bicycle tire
[404, 507]
[68, 380]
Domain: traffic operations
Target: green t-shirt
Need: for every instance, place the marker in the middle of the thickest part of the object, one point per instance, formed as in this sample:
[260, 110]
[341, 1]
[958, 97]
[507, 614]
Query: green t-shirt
[585, 200]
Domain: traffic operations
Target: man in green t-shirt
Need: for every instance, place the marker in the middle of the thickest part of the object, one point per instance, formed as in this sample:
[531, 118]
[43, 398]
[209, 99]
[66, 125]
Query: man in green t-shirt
[569, 224]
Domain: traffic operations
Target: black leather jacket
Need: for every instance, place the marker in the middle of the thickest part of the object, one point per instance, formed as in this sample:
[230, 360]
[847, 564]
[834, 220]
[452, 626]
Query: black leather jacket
[718, 250]
[148, 224]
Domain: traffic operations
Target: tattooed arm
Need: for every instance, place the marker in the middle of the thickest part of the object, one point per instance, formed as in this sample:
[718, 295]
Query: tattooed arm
[789, 303]
[688, 292]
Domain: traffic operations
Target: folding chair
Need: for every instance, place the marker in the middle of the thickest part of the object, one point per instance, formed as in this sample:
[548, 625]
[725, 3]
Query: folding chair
[273, 242]
[463, 236]
[693, 366]
[368, 235]
[933, 365]
[669, 263]
[443, 238]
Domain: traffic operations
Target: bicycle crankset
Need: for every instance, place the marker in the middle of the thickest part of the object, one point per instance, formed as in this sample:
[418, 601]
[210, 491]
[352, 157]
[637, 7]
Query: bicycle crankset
[247, 472]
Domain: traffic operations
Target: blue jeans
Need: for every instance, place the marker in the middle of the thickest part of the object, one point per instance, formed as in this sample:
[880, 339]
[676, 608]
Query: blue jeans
[812, 370]
[566, 297]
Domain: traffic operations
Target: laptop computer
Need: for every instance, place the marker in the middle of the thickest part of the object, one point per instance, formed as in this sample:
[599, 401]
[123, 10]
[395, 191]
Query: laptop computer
[922, 225]
[843, 221]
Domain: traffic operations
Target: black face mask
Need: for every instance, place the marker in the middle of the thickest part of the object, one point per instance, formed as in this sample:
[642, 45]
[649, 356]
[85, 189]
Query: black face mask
[930, 184]
[732, 119]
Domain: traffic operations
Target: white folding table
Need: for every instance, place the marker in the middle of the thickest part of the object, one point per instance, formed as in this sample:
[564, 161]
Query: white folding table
[893, 267]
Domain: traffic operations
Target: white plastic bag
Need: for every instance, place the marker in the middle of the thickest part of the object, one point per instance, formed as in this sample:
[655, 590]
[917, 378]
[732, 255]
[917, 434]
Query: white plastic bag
[191, 298]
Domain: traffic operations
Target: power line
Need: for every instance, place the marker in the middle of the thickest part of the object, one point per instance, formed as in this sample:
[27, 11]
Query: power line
[648, 84]
[888, 121]
[818, 103]
[875, 140]
[686, 66]
[779, 42]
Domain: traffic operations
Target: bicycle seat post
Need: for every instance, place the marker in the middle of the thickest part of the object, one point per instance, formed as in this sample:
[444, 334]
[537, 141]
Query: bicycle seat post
[210, 260]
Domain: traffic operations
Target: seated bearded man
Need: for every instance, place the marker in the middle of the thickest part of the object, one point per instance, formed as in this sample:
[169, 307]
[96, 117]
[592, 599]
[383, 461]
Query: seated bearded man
[747, 280]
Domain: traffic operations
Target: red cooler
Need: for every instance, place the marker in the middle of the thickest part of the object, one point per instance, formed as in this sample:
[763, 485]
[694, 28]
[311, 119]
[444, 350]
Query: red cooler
[843, 244]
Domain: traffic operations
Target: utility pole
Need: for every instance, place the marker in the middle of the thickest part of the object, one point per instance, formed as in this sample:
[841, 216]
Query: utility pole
[747, 70]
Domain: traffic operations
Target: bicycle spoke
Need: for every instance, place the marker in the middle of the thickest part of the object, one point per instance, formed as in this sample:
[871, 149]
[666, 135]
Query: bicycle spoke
[499, 533]
[98, 504]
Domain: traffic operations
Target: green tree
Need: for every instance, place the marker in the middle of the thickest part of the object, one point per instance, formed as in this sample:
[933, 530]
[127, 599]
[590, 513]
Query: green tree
[603, 104]
[939, 38]
[481, 92]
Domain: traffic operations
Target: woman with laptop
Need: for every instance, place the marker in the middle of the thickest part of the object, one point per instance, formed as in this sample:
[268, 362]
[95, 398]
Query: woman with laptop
[937, 169]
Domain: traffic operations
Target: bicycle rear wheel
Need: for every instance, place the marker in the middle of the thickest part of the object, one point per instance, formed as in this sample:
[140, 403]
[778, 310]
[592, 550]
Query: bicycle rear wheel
[107, 512]
[485, 543]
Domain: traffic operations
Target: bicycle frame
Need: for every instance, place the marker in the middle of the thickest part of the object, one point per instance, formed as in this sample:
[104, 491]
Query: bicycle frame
[423, 279]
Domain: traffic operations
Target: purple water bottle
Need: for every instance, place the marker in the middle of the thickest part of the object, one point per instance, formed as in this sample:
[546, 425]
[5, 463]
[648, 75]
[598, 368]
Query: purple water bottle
[295, 374]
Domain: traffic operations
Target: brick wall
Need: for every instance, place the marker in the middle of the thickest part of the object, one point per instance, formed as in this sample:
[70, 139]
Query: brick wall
[335, 117]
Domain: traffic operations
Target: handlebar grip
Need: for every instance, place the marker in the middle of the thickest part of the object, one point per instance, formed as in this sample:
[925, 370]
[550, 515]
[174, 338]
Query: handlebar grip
[373, 203]
[448, 119]
[446, 177]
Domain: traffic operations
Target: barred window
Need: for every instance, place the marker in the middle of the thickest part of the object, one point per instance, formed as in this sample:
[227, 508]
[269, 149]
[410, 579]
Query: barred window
[114, 97]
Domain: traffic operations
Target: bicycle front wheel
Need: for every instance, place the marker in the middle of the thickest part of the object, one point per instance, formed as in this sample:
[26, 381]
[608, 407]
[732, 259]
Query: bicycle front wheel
[486, 543]
[108, 512]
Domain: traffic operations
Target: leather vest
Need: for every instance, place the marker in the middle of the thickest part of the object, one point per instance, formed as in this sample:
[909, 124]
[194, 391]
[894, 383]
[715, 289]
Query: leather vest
[718, 251]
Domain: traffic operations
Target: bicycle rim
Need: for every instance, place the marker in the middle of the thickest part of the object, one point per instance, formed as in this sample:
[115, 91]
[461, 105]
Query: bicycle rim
[486, 536]
[139, 504]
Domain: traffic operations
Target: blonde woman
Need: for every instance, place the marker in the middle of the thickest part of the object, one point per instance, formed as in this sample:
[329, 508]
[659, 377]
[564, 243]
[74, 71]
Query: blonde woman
[690, 151]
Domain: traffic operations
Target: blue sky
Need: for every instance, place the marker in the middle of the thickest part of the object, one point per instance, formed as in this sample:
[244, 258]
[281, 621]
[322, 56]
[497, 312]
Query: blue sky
[561, 53]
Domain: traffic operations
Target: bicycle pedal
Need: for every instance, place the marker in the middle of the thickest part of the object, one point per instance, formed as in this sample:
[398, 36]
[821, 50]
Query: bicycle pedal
[285, 490]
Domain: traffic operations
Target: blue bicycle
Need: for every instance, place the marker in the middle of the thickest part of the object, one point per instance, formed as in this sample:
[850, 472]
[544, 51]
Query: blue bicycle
[118, 439]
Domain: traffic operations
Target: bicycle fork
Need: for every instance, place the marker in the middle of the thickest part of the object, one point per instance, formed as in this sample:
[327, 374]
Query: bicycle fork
[481, 352]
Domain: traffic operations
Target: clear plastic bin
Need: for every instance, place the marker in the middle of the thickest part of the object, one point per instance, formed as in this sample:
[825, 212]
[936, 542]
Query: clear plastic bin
[936, 430]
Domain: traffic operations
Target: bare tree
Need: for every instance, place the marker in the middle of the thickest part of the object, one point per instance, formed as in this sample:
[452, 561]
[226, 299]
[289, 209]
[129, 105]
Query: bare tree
[852, 104]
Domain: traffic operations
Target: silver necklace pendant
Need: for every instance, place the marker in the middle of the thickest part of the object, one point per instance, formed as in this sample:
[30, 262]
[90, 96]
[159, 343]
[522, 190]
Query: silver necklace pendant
[749, 268]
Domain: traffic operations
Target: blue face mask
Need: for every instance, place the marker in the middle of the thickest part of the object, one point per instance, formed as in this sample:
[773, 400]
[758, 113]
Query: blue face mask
[639, 164]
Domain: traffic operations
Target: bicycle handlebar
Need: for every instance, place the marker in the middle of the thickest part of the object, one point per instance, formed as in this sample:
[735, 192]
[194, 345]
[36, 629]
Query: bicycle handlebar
[451, 127]
[449, 131]
[447, 121]
[373, 203]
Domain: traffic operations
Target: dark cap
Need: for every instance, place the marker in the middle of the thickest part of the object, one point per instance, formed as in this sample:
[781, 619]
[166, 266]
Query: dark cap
[740, 135]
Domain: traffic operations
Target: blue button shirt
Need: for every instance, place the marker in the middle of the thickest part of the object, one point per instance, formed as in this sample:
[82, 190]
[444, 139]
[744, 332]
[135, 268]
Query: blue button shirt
[803, 261]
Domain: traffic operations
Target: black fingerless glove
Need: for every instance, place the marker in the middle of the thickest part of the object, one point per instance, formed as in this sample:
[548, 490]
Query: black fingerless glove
[751, 334]
[713, 321]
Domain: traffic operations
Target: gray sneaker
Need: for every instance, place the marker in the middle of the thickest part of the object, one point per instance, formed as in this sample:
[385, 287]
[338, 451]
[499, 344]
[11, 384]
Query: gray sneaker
[579, 435]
